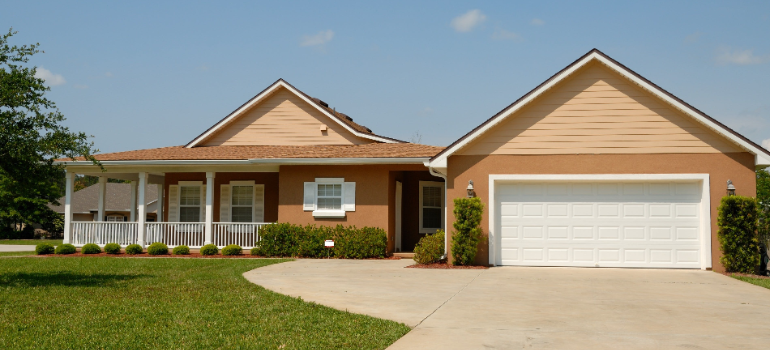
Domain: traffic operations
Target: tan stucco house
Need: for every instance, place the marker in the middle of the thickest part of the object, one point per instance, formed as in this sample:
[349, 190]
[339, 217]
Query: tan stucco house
[597, 166]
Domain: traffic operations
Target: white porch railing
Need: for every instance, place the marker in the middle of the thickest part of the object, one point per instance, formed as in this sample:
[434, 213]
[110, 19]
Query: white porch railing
[123, 233]
[244, 234]
[191, 234]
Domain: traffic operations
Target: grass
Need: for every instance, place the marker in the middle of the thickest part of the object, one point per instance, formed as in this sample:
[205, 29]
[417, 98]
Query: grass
[16, 253]
[762, 282]
[30, 241]
[117, 303]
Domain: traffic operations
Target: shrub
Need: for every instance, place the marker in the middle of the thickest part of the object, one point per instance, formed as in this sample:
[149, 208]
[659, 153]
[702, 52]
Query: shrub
[232, 249]
[63, 249]
[181, 250]
[255, 251]
[738, 234]
[90, 248]
[367, 242]
[209, 249]
[279, 240]
[311, 241]
[430, 248]
[157, 248]
[763, 202]
[112, 248]
[28, 232]
[134, 249]
[44, 248]
[467, 234]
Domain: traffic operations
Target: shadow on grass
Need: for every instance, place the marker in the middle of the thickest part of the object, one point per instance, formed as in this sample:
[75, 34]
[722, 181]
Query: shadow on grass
[41, 279]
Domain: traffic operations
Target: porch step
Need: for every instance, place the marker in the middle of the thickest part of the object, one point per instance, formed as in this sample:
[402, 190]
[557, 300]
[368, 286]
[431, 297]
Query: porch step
[404, 255]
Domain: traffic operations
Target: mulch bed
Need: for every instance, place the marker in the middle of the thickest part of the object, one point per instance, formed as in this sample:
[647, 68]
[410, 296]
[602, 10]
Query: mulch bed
[445, 266]
[745, 275]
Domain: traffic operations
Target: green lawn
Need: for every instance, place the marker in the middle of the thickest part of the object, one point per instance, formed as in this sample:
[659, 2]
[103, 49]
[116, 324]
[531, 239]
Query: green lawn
[30, 241]
[16, 253]
[118, 303]
[762, 282]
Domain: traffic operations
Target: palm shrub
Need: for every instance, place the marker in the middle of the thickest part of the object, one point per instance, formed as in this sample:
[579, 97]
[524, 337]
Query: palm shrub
[232, 249]
[112, 248]
[209, 249]
[90, 248]
[181, 250]
[467, 233]
[737, 234]
[44, 248]
[134, 249]
[157, 248]
[63, 249]
[430, 248]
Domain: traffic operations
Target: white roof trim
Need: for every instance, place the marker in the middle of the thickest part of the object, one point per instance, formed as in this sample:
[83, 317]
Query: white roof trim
[278, 84]
[762, 159]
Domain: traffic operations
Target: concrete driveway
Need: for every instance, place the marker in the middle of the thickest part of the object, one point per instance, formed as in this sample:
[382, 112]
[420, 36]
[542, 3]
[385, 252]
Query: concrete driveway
[540, 308]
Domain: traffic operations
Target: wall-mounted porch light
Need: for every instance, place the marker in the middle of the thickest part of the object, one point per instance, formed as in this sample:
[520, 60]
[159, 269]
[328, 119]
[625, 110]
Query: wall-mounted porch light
[730, 188]
[471, 194]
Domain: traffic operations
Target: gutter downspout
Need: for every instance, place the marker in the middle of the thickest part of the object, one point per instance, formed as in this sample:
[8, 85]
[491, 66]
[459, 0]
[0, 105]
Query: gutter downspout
[446, 227]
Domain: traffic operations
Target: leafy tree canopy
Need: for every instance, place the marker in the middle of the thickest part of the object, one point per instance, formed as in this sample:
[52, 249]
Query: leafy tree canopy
[31, 138]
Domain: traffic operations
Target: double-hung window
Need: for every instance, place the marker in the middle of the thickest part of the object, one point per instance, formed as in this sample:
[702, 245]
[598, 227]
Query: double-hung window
[431, 206]
[329, 196]
[189, 203]
[242, 203]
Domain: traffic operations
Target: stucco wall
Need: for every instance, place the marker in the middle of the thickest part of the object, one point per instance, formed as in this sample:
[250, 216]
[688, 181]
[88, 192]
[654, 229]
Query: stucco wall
[738, 167]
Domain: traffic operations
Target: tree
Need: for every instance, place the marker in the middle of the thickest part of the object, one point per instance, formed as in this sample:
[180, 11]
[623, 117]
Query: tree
[763, 201]
[31, 139]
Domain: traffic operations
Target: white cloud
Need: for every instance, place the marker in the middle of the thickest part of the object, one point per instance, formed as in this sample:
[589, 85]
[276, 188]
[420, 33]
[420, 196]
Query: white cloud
[537, 22]
[49, 77]
[502, 34]
[467, 21]
[740, 57]
[766, 144]
[321, 38]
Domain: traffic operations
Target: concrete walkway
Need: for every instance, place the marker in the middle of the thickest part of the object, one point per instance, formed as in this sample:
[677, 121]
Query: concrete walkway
[542, 308]
[16, 248]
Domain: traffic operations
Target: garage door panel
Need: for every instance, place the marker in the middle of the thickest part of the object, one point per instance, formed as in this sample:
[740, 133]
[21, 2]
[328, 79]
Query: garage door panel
[623, 224]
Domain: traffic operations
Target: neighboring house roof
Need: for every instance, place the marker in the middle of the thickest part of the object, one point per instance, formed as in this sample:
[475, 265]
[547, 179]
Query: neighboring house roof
[118, 198]
[340, 118]
[762, 155]
[370, 150]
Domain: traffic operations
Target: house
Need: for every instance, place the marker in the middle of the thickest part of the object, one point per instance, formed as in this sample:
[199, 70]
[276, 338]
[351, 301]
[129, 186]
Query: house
[597, 166]
[117, 203]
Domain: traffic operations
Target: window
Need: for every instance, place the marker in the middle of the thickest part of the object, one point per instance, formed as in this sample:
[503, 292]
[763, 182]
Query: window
[431, 206]
[329, 197]
[190, 203]
[115, 218]
[242, 203]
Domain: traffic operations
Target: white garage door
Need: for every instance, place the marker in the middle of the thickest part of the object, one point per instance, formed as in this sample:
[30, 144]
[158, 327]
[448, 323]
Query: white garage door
[609, 224]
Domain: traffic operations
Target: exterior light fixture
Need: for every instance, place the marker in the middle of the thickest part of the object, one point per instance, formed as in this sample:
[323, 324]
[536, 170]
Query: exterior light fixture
[471, 194]
[730, 188]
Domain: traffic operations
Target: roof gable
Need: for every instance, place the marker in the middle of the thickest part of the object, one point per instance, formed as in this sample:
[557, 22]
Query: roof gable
[308, 108]
[762, 156]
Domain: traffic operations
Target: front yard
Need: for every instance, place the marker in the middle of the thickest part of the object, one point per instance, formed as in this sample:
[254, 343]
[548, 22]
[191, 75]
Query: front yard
[30, 241]
[118, 303]
[756, 280]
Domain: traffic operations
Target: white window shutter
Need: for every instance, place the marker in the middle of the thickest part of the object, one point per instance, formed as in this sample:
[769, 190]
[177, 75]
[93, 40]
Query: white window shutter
[224, 203]
[203, 203]
[309, 201]
[259, 204]
[350, 196]
[173, 203]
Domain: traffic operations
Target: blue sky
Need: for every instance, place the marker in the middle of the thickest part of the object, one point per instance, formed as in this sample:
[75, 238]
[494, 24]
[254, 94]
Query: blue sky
[151, 74]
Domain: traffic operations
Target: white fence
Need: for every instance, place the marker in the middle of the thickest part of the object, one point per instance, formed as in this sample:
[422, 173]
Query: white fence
[244, 234]
[123, 233]
[191, 234]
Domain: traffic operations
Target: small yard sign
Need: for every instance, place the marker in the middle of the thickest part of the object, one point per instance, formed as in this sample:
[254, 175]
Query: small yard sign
[329, 243]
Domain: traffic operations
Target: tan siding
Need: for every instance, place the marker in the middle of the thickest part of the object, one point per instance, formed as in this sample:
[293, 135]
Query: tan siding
[598, 111]
[283, 119]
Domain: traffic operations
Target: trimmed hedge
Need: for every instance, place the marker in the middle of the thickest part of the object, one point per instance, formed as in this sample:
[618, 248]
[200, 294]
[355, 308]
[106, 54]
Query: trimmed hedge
[63, 249]
[181, 250]
[232, 249]
[157, 248]
[112, 248]
[90, 248]
[738, 237]
[308, 241]
[430, 248]
[134, 249]
[209, 249]
[467, 234]
[44, 248]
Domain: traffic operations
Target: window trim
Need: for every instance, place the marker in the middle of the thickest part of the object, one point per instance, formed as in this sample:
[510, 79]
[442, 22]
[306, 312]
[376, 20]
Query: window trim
[327, 213]
[440, 185]
[201, 206]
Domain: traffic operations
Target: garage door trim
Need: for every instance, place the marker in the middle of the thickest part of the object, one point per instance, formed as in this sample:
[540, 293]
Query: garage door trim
[705, 224]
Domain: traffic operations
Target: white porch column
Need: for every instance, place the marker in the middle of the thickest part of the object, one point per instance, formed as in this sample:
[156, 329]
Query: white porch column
[209, 206]
[132, 209]
[102, 197]
[70, 183]
[142, 216]
[159, 206]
